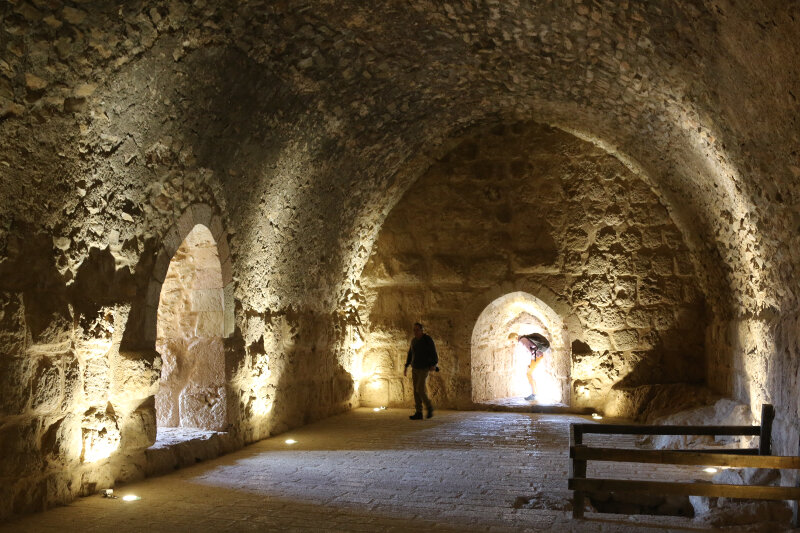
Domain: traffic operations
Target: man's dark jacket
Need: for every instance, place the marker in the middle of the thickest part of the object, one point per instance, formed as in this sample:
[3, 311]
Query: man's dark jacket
[422, 353]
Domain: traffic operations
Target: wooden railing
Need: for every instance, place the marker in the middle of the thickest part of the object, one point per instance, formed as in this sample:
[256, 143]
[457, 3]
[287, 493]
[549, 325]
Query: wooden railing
[740, 458]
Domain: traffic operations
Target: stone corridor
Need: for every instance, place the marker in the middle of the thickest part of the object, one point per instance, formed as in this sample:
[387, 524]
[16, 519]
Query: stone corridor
[368, 471]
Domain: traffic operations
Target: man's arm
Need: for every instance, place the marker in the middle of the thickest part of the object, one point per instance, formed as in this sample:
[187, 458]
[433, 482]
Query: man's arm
[409, 357]
[435, 355]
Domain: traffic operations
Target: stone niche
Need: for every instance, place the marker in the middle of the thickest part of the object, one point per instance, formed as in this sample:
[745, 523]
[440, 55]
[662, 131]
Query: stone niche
[500, 363]
[525, 208]
[191, 391]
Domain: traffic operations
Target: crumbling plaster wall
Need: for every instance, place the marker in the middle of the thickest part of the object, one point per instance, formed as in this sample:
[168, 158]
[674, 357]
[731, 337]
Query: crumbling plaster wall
[301, 126]
[536, 209]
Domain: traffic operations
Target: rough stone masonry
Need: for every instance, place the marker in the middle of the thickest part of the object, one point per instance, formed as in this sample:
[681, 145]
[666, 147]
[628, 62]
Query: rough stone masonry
[291, 130]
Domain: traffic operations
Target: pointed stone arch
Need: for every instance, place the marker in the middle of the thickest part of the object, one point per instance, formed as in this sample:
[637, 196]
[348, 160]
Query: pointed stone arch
[196, 214]
[190, 309]
[498, 364]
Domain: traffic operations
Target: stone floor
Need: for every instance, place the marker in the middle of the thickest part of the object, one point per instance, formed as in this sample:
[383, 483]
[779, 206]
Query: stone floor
[370, 471]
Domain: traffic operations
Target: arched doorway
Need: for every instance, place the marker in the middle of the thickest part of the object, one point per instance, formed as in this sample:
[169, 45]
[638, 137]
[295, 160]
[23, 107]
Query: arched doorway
[499, 362]
[190, 328]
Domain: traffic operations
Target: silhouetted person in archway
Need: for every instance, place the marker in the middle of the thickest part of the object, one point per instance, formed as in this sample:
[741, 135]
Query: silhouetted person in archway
[538, 345]
[423, 358]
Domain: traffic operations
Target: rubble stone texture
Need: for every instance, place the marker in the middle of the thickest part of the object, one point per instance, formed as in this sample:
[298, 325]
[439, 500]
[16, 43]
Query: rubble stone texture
[292, 130]
[191, 391]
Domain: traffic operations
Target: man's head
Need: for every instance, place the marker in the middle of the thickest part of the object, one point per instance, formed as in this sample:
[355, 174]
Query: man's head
[419, 329]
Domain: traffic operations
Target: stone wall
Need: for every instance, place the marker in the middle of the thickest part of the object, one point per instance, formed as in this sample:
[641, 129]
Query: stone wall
[191, 390]
[528, 208]
[292, 132]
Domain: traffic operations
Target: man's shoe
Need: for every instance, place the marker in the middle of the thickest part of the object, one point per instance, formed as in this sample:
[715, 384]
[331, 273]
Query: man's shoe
[530, 398]
[416, 416]
[430, 414]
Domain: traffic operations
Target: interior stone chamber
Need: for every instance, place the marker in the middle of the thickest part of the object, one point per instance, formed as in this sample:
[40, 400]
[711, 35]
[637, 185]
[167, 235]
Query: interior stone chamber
[227, 216]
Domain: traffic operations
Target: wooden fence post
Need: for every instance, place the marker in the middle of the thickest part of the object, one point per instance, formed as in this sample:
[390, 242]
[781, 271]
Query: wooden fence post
[794, 504]
[765, 438]
[577, 469]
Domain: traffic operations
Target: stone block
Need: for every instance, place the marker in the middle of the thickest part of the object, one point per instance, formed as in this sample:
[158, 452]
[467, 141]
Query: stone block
[662, 263]
[202, 214]
[625, 296]
[153, 294]
[626, 339]
[167, 405]
[13, 334]
[100, 434]
[96, 380]
[46, 385]
[223, 249]
[216, 228]
[605, 238]
[651, 237]
[203, 407]
[597, 263]
[650, 291]
[631, 239]
[72, 381]
[61, 442]
[207, 278]
[597, 290]
[611, 318]
[227, 272]
[638, 318]
[172, 241]
[138, 429]
[161, 264]
[663, 318]
[150, 323]
[573, 263]
[209, 323]
[229, 317]
[206, 300]
[576, 239]
[136, 376]
[597, 340]
[184, 225]
[206, 355]
[16, 375]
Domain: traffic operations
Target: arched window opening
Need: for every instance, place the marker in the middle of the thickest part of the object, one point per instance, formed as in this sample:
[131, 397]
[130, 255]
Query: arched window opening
[500, 362]
[191, 392]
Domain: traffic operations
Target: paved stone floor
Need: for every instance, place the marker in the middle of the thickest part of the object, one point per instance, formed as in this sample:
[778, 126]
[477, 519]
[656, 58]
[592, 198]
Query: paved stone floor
[369, 471]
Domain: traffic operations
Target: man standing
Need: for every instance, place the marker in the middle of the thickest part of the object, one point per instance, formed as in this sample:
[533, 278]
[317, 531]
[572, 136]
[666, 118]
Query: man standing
[538, 345]
[423, 358]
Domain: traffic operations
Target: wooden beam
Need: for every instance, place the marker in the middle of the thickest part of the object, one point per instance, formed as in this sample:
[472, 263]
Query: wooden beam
[794, 504]
[631, 429]
[673, 457]
[686, 489]
[726, 451]
[577, 470]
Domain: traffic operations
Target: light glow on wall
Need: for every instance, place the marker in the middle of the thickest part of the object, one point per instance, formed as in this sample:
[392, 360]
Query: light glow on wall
[98, 448]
